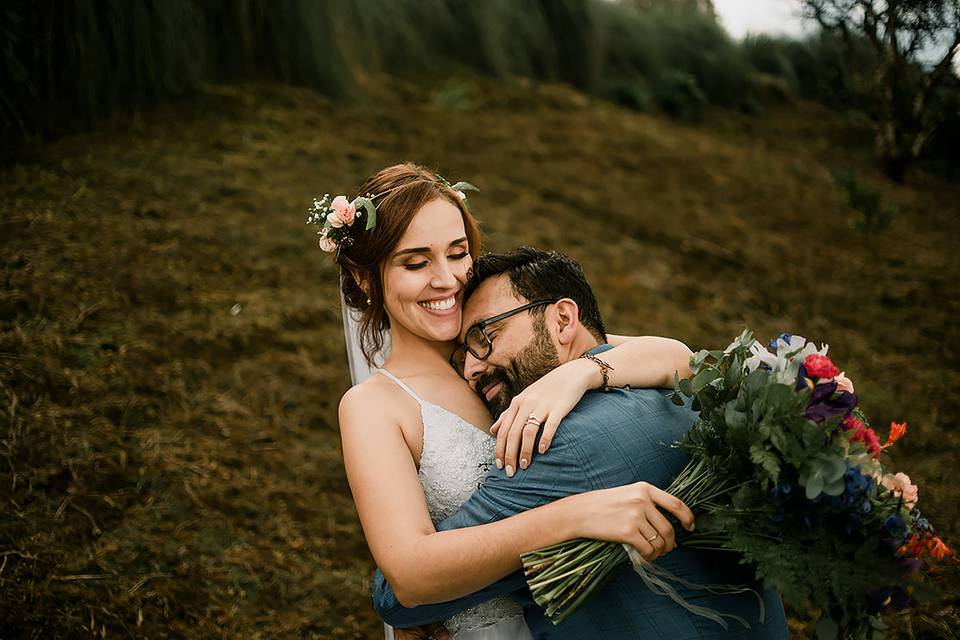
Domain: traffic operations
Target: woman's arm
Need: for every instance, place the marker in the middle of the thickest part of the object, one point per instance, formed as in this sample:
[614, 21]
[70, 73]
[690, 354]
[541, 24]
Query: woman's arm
[424, 565]
[645, 361]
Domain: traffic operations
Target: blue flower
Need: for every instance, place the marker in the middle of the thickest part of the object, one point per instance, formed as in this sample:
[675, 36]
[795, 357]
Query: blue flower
[895, 526]
[783, 336]
[853, 524]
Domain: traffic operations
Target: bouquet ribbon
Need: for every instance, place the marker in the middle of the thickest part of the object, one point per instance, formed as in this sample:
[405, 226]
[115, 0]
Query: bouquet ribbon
[658, 580]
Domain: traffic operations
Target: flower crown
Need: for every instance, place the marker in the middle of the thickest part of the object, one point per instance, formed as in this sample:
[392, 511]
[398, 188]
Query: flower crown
[336, 217]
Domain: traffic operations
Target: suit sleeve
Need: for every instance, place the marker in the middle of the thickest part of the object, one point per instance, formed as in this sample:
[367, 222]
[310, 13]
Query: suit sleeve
[559, 472]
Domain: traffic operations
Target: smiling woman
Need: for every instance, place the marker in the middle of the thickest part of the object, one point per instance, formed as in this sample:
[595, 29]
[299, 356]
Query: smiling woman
[414, 434]
[423, 280]
[365, 264]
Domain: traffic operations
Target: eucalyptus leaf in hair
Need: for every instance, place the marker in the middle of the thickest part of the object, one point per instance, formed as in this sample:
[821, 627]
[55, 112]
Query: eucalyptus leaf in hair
[464, 186]
[371, 210]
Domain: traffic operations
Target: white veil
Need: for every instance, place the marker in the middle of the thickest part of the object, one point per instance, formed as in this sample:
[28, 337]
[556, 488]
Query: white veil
[359, 369]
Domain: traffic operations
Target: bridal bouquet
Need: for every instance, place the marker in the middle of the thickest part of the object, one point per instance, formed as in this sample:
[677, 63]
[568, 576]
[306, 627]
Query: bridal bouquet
[785, 469]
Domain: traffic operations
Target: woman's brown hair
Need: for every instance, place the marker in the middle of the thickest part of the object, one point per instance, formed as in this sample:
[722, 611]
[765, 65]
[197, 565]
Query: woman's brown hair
[407, 188]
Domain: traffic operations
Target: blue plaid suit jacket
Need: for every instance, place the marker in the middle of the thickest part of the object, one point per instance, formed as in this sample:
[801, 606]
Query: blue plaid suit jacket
[609, 439]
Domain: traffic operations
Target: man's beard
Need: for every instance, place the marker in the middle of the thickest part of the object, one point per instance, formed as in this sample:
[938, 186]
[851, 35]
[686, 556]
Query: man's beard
[533, 362]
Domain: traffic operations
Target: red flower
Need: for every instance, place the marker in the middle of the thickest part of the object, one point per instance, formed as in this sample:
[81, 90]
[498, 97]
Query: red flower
[851, 423]
[896, 432]
[926, 548]
[872, 441]
[820, 366]
[863, 433]
[938, 549]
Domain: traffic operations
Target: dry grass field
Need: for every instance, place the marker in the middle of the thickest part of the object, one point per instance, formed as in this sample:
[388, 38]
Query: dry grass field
[171, 355]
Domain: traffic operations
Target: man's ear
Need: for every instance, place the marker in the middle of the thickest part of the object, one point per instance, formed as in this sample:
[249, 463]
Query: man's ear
[568, 320]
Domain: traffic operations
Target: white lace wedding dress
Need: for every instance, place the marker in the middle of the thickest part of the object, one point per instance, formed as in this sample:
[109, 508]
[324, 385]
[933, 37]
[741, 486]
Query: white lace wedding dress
[455, 458]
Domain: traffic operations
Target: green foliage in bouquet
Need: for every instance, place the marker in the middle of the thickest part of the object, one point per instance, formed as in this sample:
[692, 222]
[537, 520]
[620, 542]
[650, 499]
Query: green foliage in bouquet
[784, 470]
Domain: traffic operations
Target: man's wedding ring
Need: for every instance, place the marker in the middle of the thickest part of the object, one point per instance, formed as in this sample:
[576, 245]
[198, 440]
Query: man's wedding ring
[653, 538]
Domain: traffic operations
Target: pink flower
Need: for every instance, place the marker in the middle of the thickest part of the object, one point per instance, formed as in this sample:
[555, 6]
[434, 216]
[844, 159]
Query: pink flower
[843, 383]
[819, 366]
[328, 244]
[900, 485]
[343, 211]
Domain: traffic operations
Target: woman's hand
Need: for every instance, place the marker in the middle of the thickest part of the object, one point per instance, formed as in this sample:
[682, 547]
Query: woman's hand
[631, 514]
[545, 402]
[646, 361]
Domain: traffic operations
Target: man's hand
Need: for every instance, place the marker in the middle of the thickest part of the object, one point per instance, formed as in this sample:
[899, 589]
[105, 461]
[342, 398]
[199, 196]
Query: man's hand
[435, 631]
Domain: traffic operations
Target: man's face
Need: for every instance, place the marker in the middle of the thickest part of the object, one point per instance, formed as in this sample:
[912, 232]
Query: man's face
[523, 348]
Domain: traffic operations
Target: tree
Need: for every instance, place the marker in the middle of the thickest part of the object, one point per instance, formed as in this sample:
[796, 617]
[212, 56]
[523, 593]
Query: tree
[910, 98]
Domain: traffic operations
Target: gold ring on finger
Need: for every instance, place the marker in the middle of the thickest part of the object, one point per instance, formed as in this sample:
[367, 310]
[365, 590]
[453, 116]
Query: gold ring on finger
[653, 538]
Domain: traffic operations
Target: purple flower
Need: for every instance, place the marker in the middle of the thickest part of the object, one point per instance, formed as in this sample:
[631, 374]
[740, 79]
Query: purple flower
[825, 403]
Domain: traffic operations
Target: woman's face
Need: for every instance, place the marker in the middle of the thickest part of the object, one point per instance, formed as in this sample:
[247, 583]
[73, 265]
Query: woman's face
[424, 276]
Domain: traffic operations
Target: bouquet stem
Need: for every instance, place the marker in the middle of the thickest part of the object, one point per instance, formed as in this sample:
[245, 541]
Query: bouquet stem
[561, 577]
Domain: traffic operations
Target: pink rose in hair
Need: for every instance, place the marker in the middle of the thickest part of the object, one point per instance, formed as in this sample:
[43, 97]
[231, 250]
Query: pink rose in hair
[327, 244]
[900, 485]
[843, 383]
[343, 211]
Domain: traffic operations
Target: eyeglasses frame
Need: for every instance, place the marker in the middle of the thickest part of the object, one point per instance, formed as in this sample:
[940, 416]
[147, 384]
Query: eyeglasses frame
[483, 324]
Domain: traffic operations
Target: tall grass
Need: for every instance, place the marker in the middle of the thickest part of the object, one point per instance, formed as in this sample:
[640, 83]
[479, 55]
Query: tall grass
[66, 63]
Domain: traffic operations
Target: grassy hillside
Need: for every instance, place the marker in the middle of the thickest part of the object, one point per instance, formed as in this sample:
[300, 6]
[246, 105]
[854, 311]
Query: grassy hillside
[171, 354]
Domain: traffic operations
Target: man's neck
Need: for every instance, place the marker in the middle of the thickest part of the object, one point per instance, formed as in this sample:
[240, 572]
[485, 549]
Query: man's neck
[580, 345]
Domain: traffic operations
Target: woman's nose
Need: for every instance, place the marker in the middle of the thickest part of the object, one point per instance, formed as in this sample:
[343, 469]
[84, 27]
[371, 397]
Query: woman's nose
[443, 277]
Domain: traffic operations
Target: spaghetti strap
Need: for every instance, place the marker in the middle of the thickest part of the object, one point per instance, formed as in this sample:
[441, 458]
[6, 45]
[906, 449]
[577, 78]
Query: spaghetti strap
[403, 386]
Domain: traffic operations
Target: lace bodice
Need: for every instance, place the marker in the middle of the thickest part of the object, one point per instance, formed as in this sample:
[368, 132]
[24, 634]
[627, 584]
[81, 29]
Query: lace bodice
[456, 456]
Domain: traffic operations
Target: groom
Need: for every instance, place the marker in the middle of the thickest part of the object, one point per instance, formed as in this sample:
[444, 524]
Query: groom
[609, 439]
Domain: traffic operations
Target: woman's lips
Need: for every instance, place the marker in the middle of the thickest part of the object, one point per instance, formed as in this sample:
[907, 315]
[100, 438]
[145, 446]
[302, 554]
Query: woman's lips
[443, 307]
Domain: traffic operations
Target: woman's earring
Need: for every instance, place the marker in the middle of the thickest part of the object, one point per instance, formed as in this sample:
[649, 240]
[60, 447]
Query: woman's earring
[368, 302]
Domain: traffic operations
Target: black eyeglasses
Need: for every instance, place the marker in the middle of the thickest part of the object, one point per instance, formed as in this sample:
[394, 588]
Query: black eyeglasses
[478, 343]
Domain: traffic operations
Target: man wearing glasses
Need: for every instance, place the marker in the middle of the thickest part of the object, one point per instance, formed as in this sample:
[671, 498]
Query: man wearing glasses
[526, 312]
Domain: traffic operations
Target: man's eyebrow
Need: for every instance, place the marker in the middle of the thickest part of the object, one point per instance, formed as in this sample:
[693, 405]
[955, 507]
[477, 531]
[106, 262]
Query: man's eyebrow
[404, 252]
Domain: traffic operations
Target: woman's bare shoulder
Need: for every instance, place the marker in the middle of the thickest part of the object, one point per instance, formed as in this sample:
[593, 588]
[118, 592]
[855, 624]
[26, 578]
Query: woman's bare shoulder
[373, 400]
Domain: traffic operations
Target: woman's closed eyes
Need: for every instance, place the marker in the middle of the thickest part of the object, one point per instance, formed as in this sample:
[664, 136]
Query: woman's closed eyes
[416, 266]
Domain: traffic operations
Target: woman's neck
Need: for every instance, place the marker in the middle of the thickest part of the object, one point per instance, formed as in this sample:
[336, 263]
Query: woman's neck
[412, 355]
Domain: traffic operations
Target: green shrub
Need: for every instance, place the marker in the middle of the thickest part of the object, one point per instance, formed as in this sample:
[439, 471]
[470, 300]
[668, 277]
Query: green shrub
[875, 216]
[769, 55]
[628, 93]
[679, 95]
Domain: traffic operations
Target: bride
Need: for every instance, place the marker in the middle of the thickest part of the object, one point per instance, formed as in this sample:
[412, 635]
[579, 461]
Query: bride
[417, 440]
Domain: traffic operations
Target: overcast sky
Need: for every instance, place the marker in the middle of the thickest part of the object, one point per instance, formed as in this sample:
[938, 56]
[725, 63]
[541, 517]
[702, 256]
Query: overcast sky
[780, 17]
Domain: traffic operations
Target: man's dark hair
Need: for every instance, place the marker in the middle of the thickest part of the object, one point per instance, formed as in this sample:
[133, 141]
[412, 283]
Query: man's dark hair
[536, 275]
